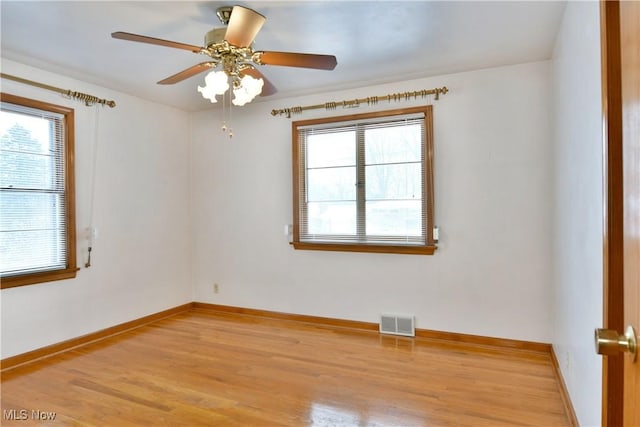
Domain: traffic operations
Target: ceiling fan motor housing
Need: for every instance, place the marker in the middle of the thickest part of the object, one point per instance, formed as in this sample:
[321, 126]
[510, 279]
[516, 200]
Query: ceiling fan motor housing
[214, 36]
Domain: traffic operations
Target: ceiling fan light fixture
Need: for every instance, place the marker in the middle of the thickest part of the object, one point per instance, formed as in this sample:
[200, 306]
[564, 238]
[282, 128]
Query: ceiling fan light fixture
[248, 89]
[232, 47]
[215, 83]
[244, 90]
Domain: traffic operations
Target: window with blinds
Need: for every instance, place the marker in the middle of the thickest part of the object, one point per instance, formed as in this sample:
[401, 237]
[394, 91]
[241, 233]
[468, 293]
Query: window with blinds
[37, 230]
[364, 182]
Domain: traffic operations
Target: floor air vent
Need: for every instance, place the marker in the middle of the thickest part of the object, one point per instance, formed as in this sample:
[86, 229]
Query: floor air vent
[397, 325]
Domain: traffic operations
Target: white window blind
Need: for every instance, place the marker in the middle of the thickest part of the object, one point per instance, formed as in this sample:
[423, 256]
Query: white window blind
[32, 190]
[363, 182]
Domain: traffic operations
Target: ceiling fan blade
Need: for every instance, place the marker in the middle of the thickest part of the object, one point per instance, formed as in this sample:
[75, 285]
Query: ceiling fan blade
[152, 40]
[189, 72]
[244, 24]
[303, 60]
[267, 88]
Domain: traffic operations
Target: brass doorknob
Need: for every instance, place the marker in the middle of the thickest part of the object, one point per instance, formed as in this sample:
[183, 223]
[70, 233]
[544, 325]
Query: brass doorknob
[609, 342]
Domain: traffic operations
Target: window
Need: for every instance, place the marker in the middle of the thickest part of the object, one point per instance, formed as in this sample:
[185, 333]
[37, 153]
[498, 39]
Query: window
[364, 182]
[37, 221]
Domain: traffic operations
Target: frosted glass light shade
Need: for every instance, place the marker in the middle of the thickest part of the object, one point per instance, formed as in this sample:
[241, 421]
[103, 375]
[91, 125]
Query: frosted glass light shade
[249, 88]
[215, 83]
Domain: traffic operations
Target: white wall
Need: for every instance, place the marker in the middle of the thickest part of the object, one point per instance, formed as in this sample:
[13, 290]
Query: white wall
[179, 206]
[491, 273]
[577, 242]
[141, 259]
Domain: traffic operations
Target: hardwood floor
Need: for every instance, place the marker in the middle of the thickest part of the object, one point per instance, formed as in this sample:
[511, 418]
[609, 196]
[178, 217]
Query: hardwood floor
[202, 368]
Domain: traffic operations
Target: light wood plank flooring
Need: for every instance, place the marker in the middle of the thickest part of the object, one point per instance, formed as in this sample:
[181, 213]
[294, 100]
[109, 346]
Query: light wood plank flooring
[203, 368]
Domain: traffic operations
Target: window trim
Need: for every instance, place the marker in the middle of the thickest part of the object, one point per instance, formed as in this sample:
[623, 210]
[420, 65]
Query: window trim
[71, 268]
[428, 188]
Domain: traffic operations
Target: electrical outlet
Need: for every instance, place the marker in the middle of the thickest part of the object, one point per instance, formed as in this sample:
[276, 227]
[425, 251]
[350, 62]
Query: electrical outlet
[216, 288]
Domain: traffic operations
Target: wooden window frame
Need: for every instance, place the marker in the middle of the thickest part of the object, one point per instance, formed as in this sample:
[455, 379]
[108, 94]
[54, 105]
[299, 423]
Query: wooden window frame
[428, 188]
[70, 269]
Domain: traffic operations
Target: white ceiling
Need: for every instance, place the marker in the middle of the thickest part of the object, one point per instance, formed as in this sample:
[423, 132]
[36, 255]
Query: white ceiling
[374, 41]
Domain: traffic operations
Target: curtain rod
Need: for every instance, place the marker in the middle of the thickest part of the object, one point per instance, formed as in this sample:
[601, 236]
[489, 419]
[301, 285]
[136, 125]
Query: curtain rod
[88, 99]
[370, 100]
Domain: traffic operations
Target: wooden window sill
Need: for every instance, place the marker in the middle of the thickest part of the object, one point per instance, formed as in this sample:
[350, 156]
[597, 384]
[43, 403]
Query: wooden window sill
[363, 247]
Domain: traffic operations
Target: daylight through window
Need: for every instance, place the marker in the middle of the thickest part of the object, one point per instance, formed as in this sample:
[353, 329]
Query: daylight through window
[364, 182]
[37, 230]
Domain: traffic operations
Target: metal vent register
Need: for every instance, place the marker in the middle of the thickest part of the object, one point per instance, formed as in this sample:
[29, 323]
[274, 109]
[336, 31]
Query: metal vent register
[395, 324]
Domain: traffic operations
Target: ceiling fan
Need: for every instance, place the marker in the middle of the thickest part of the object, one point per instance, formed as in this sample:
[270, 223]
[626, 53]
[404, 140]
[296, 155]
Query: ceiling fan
[232, 48]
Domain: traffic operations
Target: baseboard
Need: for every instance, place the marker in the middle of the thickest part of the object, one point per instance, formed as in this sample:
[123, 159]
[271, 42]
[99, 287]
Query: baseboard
[502, 343]
[564, 393]
[50, 350]
[324, 321]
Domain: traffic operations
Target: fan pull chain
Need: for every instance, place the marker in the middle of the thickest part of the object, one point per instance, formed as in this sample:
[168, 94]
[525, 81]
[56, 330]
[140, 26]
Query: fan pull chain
[226, 129]
[230, 115]
[224, 113]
